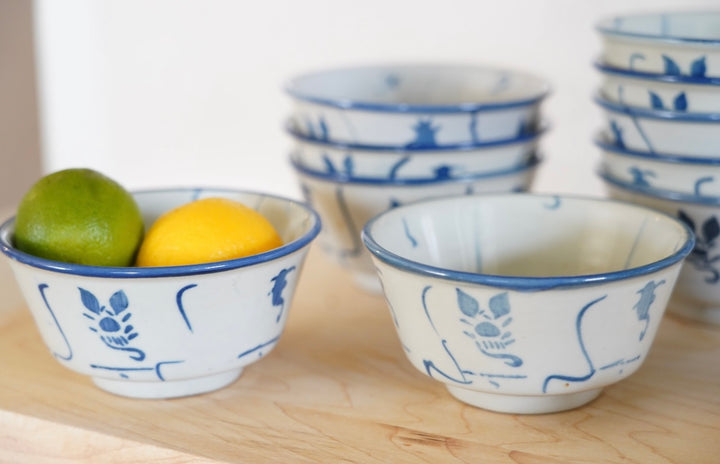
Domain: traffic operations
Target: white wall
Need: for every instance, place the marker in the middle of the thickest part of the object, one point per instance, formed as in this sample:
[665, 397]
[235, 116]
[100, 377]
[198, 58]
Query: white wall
[189, 92]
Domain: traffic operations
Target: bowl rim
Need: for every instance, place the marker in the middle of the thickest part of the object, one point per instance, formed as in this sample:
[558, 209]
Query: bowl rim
[6, 247]
[291, 88]
[519, 283]
[341, 178]
[662, 78]
[605, 27]
[649, 113]
[661, 194]
[533, 136]
[602, 141]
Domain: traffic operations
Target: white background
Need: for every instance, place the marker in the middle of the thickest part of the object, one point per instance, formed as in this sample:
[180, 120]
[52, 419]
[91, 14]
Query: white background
[189, 92]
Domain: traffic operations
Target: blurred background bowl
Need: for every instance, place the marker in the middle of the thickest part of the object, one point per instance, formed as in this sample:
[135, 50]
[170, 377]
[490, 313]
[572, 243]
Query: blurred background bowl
[161, 332]
[526, 303]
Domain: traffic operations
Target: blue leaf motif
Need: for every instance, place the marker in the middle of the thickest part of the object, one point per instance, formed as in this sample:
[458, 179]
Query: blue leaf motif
[711, 229]
[698, 67]
[89, 301]
[329, 167]
[680, 102]
[467, 304]
[119, 302]
[671, 68]
[487, 329]
[500, 305]
[655, 101]
[348, 165]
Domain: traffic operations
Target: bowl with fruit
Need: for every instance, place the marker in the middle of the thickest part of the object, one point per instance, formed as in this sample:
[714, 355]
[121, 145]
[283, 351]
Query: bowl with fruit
[156, 293]
[526, 303]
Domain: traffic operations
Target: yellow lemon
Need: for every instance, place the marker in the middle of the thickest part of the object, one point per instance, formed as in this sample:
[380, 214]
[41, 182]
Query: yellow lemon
[207, 230]
[79, 216]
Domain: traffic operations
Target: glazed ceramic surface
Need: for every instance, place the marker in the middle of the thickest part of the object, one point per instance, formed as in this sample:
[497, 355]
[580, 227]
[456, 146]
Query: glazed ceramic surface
[671, 43]
[168, 331]
[416, 106]
[697, 295]
[660, 92]
[345, 204]
[691, 176]
[526, 303]
[662, 132]
[333, 158]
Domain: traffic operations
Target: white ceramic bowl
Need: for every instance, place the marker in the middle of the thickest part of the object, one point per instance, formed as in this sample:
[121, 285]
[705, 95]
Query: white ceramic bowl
[660, 92]
[345, 204]
[697, 294]
[662, 132]
[686, 175]
[347, 159]
[161, 332]
[416, 106]
[526, 303]
[683, 43]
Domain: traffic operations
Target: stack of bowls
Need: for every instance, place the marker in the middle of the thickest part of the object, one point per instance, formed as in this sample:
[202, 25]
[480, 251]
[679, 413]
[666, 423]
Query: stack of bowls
[367, 139]
[660, 95]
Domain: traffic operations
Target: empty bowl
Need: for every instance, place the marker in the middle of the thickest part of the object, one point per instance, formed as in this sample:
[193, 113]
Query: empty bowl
[526, 303]
[416, 106]
[161, 332]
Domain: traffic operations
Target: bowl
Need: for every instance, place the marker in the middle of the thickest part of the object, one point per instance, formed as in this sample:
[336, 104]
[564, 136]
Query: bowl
[662, 132]
[685, 43]
[349, 160]
[687, 175]
[697, 294]
[162, 332]
[660, 92]
[346, 203]
[526, 303]
[416, 105]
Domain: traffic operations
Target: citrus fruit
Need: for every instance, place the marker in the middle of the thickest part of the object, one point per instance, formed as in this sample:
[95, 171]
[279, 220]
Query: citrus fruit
[206, 230]
[79, 216]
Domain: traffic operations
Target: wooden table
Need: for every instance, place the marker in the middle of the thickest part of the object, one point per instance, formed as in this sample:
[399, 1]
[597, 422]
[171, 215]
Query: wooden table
[338, 389]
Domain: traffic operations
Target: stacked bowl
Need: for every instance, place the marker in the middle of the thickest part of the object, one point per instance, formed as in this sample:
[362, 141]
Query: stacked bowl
[660, 95]
[366, 139]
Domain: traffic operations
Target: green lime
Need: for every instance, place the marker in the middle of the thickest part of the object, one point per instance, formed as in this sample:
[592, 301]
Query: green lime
[79, 216]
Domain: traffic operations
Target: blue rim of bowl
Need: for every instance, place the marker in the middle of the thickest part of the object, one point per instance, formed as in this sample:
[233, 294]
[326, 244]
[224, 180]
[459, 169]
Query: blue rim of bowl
[10, 251]
[604, 27]
[665, 115]
[603, 143]
[340, 178]
[528, 284]
[664, 78]
[467, 107]
[523, 138]
[661, 194]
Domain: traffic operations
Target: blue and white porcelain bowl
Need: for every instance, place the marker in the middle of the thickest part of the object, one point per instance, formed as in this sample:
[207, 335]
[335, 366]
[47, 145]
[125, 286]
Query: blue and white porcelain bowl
[416, 106]
[346, 203]
[526, 303]
[685, 175]
[660, 92]
[697, 294]
[349, 160]
[662, 132]
[682, 43]
[161, 332]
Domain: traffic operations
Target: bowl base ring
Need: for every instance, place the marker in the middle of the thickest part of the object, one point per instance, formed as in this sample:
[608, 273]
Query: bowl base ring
[523, 404]
[168, 388]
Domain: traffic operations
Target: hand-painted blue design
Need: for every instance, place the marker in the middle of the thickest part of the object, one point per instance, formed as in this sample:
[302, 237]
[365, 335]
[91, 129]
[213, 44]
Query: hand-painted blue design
[196, 194]
[525, 128]
[635, 57]
[655, 101]
[396, 166]
[680, 102]
[69, 356]
[324, 132]
[671, 68]
[181, 308]
[279, 283]
[639, 176]
[700, 182]
[329, 167]
[698, 68]
[123, 371]
[647, 298]
[394, 203]
[258, 348]
[702, 257]
[474, 135]
[413, 241]
[556, 203]
[617, 134]
[112, 325]
[392, 81]
[424, 134]
[356, 247]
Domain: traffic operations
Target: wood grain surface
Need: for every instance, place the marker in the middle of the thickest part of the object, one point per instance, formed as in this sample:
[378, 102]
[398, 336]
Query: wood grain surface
[338, 389]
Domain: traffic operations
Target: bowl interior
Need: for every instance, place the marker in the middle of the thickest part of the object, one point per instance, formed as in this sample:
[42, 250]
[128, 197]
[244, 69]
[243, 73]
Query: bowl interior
[527, 235]
[679, 25]
[417, 85]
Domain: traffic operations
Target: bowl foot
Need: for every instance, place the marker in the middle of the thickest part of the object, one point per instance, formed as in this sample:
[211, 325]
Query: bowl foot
[368, 282]
[167, 389]
[523, 404]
